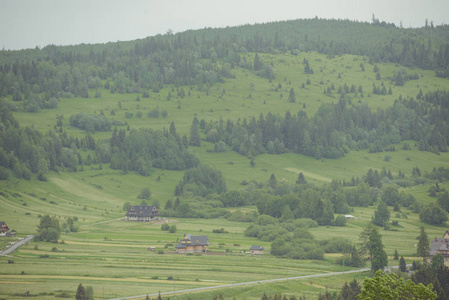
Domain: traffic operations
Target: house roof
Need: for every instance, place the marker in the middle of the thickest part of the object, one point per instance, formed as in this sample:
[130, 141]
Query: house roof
[142, 211]
[438, 244]
[256, 247]
[3, 225]
[193, 240]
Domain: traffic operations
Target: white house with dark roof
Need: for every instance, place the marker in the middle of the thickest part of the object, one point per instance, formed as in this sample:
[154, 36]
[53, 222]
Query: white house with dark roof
[193, 244]
[440, 246]
[142, 213]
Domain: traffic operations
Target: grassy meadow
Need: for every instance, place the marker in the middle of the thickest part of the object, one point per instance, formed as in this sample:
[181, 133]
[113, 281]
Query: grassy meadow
[111, 254]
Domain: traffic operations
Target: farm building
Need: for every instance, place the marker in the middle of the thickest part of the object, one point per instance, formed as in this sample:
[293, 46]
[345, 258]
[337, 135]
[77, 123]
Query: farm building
[440, 246]
[3, 228]
[256, 249]
[142, 213]
[193, 244]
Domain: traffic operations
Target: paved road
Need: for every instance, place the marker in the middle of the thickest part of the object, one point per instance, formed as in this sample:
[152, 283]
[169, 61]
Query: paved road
[16, 245]
[244, 283]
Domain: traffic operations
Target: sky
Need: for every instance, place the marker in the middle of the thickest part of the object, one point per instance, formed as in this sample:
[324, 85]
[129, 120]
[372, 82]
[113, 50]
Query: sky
[30, 23]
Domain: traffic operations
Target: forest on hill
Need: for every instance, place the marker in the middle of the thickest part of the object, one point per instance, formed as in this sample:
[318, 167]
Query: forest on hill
[35, 79]
[214, 124]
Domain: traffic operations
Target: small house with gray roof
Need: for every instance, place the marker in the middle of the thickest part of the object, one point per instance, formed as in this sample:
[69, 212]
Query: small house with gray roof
[440, 246]
[142, 213]
[256, 249]
[193, 244]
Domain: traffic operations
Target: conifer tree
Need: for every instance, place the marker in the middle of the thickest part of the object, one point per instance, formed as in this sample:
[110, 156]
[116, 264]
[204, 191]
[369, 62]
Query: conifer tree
[423, 244]
[80, 293]
[292, 97]
[402, 265]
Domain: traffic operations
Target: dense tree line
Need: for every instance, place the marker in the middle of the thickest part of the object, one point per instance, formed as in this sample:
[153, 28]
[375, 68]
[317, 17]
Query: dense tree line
[25, 150]
[192, 57]
[338, 128]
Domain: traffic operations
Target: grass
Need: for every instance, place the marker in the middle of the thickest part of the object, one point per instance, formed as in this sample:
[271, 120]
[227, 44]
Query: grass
[111, 255]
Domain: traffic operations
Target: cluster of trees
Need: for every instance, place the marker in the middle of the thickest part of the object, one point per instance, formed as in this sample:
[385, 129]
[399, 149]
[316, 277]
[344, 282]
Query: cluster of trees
[143, 149]
[48, 229]
[435, 274]
[90, 122]
[201, 181]
[338, 128]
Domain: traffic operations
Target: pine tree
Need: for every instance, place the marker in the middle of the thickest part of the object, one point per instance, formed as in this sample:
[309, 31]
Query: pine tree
[396, 255]
[80, 293]
[301, 179]
[402, 265]
[273, 182]
[379, 256]
[257, 63]
[423, 244]
[194, 136]
[292, 97]
[381, 215]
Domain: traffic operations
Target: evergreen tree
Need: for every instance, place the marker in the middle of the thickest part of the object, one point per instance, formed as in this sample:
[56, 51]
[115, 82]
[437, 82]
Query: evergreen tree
[257, 63]
[177, 202]
[396, 255]
[194, 136]
[168, 204]
[376, 249]
[80, 293]
[402, 265]
[292, 97]
[381, 215]
[273, 182]
[301, 179]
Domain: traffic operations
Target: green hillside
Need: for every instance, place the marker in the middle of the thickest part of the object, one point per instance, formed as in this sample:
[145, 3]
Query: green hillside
[359, 110]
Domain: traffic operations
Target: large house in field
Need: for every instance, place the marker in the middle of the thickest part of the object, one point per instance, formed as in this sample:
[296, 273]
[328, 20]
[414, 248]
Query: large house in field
[3, 228]
[193, 244]
[440, 246]
[142, 213]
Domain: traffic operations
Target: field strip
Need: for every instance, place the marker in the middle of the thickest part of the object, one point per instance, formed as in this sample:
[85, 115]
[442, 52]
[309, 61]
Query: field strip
[244, 283]
[105, 244]
[4, 278]
[308, 174]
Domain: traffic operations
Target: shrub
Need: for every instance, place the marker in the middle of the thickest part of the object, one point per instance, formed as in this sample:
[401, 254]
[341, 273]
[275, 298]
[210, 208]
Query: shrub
[165, 227]
[172, 229]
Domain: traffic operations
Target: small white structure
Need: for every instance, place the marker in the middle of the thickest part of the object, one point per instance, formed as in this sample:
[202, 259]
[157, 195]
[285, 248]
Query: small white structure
[349, 217]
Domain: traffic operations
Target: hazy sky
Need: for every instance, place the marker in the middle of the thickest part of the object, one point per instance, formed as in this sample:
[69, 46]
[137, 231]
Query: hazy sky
[30, 23]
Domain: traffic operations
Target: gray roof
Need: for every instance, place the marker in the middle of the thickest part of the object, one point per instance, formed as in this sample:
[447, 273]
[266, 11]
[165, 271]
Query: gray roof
[142, 211]
[193, 240]
[438, 244]
[256, 247]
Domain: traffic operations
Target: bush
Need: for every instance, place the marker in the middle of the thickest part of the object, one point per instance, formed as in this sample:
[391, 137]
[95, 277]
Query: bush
[221, 230]
[165, 227]
[339, 221]
[172, 229]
